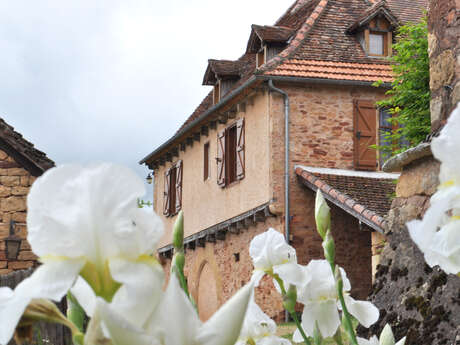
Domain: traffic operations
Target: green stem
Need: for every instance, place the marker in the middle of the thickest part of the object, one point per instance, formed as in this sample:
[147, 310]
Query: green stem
[292, 312]
[346, 315]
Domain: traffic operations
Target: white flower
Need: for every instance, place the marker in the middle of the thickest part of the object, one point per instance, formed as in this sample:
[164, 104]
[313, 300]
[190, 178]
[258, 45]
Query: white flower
[386, 338]
[271, 254]
[175, 321]
[438, 234]
[259, 328]
[321, 305]
[85, 221]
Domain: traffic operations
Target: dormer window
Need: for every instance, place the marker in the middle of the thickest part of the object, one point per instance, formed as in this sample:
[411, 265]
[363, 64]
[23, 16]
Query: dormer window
[374, 30]
[216, 93]
[261, 57]
[222, 75]
[377, 44]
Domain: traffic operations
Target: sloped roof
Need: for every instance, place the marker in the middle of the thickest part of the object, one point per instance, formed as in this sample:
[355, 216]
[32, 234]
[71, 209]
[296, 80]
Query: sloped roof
[319, 48]
[222, 68]
[364, 195]
[32, 159]
[379, 8]
[334, 70]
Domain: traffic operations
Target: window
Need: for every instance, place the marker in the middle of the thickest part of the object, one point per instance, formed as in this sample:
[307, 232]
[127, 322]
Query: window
[376, 43]
[230, 154]
[206, 162]
[172, 202]
[385, 128]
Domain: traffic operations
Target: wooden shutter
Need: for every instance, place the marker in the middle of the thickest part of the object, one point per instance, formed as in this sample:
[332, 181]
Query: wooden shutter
[365, 132]
[166, 196]
[178, 185]
[240, 149]
[221, 158]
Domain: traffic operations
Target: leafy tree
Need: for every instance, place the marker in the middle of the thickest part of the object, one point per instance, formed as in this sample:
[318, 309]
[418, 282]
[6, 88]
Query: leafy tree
[409, 100]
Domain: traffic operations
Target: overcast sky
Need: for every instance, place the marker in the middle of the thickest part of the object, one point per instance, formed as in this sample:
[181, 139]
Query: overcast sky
[110, 80]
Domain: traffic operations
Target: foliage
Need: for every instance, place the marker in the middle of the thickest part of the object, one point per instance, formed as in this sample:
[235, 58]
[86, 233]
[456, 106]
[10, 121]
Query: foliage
[409, 100]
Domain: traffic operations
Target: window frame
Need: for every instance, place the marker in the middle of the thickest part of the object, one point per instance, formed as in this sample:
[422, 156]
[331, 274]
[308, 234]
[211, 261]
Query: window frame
[206, 165]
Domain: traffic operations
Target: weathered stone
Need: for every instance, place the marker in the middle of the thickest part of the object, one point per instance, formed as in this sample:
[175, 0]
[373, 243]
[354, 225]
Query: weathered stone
[442, 69]
[455, 96]
[17, 172]
[402, 159]
[10, 181]
[27, 255]
[3, 264]
[19, 217]
[4, 191]
[13, 203]
[24, 181]
[421, 179]
[432, 44]
[20, 265]
[19, 190]
[5, 271]
[435, 109]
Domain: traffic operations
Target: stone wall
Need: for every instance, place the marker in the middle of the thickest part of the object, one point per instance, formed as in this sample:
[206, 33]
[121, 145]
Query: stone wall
[444, 52]
[219, 269]
[418, 301]
[15, 182]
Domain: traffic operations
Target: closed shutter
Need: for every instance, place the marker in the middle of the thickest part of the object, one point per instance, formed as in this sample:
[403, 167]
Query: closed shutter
[365, 132]
[178, 185]
[221, 158]
[166, 196]
[240, 149]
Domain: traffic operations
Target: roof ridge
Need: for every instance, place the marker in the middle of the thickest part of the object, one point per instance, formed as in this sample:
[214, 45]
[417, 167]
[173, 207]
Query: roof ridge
[298, 39]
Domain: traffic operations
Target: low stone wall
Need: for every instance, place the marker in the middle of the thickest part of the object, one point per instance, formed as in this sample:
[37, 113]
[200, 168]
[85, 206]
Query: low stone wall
[416, 300]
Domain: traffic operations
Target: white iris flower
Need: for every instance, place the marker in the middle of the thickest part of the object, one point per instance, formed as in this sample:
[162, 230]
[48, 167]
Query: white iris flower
[438, 234]
[271, 254]
[85, 222]
[258, 328]
[175, 321]
[321, 305]
[386, 338]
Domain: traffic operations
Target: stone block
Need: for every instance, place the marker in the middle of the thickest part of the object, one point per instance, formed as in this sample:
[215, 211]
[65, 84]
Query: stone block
[442, 70]
[5, 191]
[10, 181]
[3, 264]
[17, 172]
[5, 271]
[19, 190]
[13, 203]
[421, 178]
[20, 265]
[20, 217]
[4, 230]
[27, 255]
[435, 109]
[24, 181]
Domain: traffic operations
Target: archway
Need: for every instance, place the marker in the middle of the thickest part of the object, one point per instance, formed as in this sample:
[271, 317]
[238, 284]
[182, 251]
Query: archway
[207, 301]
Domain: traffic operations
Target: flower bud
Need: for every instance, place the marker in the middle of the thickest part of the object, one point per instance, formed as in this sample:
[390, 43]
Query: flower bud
[329, 248]
[322, 215]
[178, 232]
[179, 261]
[290, 299]
[387, 337]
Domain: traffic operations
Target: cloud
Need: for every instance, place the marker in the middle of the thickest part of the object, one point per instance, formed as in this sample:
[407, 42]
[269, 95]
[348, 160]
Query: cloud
[110, 79]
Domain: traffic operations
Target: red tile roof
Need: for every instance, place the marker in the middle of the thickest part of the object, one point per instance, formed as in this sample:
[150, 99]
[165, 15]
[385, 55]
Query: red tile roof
[320, 47]
[366, 196]
[334, 70]
[36, 158]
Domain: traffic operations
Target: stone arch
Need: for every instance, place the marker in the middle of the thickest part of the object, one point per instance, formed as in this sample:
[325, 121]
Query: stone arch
[207, 297]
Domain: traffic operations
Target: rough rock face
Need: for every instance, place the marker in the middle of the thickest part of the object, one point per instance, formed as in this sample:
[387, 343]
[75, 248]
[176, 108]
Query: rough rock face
[416, 300]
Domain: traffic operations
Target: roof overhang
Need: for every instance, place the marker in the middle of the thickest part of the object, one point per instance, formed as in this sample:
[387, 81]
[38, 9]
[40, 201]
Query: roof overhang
[378, 10]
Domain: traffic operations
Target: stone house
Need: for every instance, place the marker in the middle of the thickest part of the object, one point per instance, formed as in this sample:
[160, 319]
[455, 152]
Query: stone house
[20, 164]
[236, 169]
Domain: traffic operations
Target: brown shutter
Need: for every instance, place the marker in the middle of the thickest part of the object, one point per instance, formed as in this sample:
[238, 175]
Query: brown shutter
[221, 158]
[365, 132]
[166, 197]
[178, 185]
[240, 149]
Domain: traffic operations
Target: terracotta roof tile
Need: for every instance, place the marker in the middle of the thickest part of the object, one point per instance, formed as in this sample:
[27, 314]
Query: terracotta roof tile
[23, 147]
[334, 70]
[270, 33]
[368, 194]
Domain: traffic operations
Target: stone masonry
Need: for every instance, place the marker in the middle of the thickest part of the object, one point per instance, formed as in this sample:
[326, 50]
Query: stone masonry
[14, 186]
